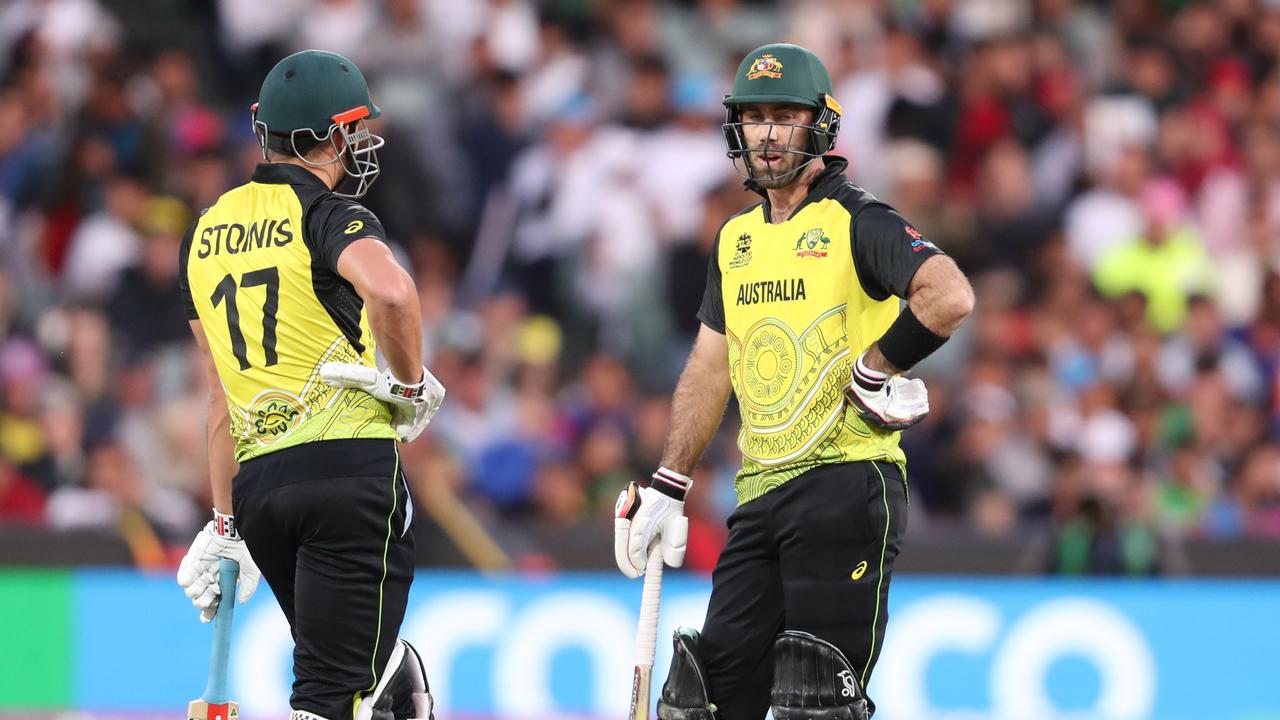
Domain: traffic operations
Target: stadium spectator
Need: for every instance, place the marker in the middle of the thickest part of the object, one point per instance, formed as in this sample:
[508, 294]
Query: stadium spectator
[1166, 264]
[21, 500]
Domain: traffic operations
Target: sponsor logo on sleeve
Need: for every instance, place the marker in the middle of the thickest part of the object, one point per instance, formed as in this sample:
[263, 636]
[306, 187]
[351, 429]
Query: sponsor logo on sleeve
[918, 242]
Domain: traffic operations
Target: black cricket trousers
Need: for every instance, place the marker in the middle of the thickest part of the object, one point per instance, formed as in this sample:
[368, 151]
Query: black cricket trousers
[816, 555]
[328, 523]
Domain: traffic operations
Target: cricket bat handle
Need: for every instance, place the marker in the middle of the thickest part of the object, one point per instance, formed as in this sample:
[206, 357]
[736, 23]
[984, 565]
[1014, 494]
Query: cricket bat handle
[647, 632]
[215, 692]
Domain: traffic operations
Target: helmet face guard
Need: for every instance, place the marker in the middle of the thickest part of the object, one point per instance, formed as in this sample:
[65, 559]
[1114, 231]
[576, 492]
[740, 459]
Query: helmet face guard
[358, 154]
[822, 138]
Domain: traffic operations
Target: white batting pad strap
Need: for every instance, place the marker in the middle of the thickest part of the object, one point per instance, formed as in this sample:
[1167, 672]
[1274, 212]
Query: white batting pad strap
[422, 705]
[404, 658]
[304, 715]
[413, 663]
[422, 702]
[365, 711]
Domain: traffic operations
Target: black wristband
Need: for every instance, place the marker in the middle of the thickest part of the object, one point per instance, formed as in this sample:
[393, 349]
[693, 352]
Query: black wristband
[908, 341]
[225, 525]
[671, 483]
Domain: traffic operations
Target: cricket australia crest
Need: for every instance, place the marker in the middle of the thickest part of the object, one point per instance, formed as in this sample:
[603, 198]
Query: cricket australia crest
[813, 243]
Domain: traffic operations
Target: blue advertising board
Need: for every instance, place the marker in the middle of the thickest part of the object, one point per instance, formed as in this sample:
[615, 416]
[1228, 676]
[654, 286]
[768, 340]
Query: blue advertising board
[563, 646]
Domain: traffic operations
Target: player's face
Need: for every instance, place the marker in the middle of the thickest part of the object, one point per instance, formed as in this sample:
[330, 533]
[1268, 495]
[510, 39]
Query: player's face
[776, 142]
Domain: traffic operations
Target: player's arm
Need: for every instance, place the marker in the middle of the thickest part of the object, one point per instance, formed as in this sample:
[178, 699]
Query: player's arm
[222, 458]
[698, 405]
[220, 539]
[939, 298]
[391, 300]
[650, 513]
[894, 259]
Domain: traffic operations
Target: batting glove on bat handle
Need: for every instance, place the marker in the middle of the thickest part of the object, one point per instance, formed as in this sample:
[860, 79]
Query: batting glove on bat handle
[198, 572]
[884, 401]
[651, 518]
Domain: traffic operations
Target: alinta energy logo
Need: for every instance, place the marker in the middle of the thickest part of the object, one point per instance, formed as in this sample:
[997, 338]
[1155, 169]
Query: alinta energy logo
[918, 243]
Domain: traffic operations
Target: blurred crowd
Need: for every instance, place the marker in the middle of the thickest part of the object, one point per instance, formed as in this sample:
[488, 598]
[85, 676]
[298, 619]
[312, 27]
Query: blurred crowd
[1108, 173]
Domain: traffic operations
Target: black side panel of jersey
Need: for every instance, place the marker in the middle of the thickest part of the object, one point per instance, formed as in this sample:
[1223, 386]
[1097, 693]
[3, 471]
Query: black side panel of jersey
[887, 251]
[712, 311]
[184, 252]
[184, 287]
[330, 224]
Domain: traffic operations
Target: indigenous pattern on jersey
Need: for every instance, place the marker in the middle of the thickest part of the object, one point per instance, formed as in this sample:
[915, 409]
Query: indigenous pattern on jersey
[259, 270]
[798, 301]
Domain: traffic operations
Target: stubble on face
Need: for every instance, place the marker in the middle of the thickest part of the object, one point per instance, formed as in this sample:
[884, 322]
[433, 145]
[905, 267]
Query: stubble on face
[782, 171]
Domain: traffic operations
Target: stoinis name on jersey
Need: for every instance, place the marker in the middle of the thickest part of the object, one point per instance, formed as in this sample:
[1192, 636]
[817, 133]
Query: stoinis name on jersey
[783, 290]
[234, 238]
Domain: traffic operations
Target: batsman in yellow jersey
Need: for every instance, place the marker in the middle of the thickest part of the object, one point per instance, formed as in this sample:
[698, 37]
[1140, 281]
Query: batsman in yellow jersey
[290, 287]
[801, 320]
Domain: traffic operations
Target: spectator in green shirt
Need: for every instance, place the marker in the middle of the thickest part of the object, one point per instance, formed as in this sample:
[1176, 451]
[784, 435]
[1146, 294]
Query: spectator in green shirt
[1167, 264]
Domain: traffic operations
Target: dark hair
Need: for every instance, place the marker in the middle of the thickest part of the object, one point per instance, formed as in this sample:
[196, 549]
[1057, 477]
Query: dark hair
[300, 143]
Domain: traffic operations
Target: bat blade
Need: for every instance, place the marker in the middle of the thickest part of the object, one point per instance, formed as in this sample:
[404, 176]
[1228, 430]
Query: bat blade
[640, 684]
[201, 710]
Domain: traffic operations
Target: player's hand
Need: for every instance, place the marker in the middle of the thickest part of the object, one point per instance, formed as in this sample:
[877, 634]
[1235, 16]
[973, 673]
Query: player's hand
[412, 404]
[649, 517]
[887, 402]
[198, 573]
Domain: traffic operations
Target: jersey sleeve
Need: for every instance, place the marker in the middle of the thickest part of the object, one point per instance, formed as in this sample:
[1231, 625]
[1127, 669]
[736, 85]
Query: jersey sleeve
[711, 313]
[184, 287]
[334, 223]
[887, 251]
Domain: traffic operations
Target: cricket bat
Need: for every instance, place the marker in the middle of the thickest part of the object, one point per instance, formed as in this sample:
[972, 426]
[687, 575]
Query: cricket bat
[214, 704]
[646, 636]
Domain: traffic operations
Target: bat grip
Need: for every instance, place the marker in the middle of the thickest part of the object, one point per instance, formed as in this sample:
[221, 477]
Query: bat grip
[215, 692]
[647, 632]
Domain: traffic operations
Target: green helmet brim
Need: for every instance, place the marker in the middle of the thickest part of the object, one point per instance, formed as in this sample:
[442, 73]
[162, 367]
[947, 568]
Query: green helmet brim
[770, 98]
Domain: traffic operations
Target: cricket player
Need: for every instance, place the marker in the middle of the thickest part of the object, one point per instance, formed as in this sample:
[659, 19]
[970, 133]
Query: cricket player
[801, 321]
[290, 287]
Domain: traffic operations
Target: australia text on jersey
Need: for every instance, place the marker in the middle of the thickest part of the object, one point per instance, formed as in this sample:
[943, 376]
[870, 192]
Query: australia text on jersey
[764, 291]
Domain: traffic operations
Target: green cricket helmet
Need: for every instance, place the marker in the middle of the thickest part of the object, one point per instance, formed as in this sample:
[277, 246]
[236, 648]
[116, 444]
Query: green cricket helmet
[782, 73]
[316, 96]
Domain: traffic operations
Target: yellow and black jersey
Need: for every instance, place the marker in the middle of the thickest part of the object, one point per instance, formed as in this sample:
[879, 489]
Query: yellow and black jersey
[259, 270]
[798, 301]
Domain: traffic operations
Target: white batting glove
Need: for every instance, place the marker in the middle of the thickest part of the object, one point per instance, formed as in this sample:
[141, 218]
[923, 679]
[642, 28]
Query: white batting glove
[649, 516]
[412, 404]
[198, 573]
[888, 402]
